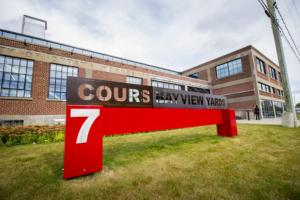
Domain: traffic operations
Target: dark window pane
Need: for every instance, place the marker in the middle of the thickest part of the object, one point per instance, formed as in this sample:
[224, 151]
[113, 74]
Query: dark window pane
[28, 86]
[22, 70]
[22, 77]
[20, 93]
[7, 68]
[5, 84]
[57, 95]
[13, 93]
[52, 81]
[27, 93]
[23, 62]
[63, 96]
[51, 95]
[1, 59]
[29, 71]
[15, 69]
[30, 63]
[4, 92]
[28, 78]
[21, 85]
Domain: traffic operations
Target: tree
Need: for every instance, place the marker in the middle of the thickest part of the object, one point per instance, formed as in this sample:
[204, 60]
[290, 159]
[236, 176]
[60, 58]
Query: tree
[298, 105]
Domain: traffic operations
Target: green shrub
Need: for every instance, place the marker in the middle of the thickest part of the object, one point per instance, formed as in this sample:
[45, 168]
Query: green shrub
[20, 135]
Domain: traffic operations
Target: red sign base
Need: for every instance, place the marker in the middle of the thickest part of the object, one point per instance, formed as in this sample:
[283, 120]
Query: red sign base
[86, 125]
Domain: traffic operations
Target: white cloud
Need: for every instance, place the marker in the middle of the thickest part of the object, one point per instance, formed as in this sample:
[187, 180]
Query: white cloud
[172, 34]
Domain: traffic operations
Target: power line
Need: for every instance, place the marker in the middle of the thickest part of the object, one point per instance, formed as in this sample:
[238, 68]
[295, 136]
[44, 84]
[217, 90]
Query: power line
[267, 11]
[292, 17]
[296, 8]
[275, 5]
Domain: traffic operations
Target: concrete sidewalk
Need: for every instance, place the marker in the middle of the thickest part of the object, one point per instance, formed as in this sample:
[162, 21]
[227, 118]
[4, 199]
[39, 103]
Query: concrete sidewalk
[273, 121]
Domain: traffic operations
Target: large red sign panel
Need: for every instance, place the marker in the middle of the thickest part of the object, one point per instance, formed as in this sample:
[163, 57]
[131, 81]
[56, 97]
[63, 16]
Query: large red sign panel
[86, 125]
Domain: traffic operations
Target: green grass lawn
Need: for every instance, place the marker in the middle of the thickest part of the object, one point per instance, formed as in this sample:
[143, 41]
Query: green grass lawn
[263, 162]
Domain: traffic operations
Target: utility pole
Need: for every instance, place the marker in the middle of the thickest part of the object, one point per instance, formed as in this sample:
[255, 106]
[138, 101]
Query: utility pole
[289, 118]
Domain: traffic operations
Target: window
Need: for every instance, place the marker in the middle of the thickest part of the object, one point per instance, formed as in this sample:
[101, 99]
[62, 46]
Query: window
[133, 80]
[282, 94]
[199, 90]
[194, 76]
[267, 108]
[260, 66]
[15, 77]
[278, 108]
[272, 72]
[279, 74]
[167, 85]
[11, 123]
[58, 80]
[229, 68]
[264, 87]
[278, 92]
[273, 90]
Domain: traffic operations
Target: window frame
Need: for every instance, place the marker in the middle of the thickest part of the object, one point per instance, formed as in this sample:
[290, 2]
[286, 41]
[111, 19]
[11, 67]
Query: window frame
[272, 73]
[61, 79]
[279, 74]
[228, 68]
[263, 87]
[169, 84]
[259, 67]
[134, 78]
[13, 86]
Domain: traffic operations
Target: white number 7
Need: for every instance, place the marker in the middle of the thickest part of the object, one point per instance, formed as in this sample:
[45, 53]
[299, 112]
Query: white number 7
[91, 115]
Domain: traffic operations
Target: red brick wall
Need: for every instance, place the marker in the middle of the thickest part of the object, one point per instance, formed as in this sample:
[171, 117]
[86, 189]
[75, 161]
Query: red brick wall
[108, 76]
[235, 88]
[245, 74]
[265, 93]
[33, 47]
[244, 94]
[242, 105]
[203, 75]
[145, 81]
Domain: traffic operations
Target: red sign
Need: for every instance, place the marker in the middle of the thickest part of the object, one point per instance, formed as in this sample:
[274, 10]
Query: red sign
[86, 125]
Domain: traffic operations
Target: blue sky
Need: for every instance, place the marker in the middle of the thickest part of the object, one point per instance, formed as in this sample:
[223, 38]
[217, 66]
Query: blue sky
[168, 33]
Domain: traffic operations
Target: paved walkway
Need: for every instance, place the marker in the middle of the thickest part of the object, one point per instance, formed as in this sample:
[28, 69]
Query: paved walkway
[274, 121]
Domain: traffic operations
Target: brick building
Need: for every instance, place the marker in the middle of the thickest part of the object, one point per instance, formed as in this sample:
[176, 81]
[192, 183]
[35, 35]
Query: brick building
[33, 73]
[246, 77]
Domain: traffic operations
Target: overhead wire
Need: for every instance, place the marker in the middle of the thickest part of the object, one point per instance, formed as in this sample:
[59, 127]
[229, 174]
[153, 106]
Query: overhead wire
[275, 5]
[292, 16]
[296, 8]
[267, 11]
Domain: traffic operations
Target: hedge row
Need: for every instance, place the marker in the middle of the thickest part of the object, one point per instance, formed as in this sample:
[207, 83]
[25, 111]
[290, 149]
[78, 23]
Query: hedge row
[17, 135]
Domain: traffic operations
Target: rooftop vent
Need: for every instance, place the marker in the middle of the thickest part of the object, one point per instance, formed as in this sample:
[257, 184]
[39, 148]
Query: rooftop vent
[34, 26]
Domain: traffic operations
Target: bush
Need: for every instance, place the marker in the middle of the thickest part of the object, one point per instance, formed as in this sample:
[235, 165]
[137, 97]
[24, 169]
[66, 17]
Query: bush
[18, 135]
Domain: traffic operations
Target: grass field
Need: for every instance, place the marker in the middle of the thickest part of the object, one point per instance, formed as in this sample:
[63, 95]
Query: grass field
[263, 162]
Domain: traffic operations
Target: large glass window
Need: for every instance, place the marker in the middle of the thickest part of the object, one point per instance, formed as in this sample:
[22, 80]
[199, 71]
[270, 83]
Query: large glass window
[272, 72]
[167, 85]
[58, 80]
[230, 68]
[15, 77]
[260, 66]
[267, 108]
[264, 87]
[134, 80]
[199, 90]
[194, 76]
[278, 108]
[279, 74]
[278, 92]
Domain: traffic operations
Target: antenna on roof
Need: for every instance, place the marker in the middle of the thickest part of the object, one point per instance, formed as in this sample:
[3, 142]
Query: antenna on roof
[34, 26]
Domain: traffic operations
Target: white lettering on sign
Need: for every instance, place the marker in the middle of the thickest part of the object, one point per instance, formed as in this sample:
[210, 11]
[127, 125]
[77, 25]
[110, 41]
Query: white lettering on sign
[91, 115]
[133, 94]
